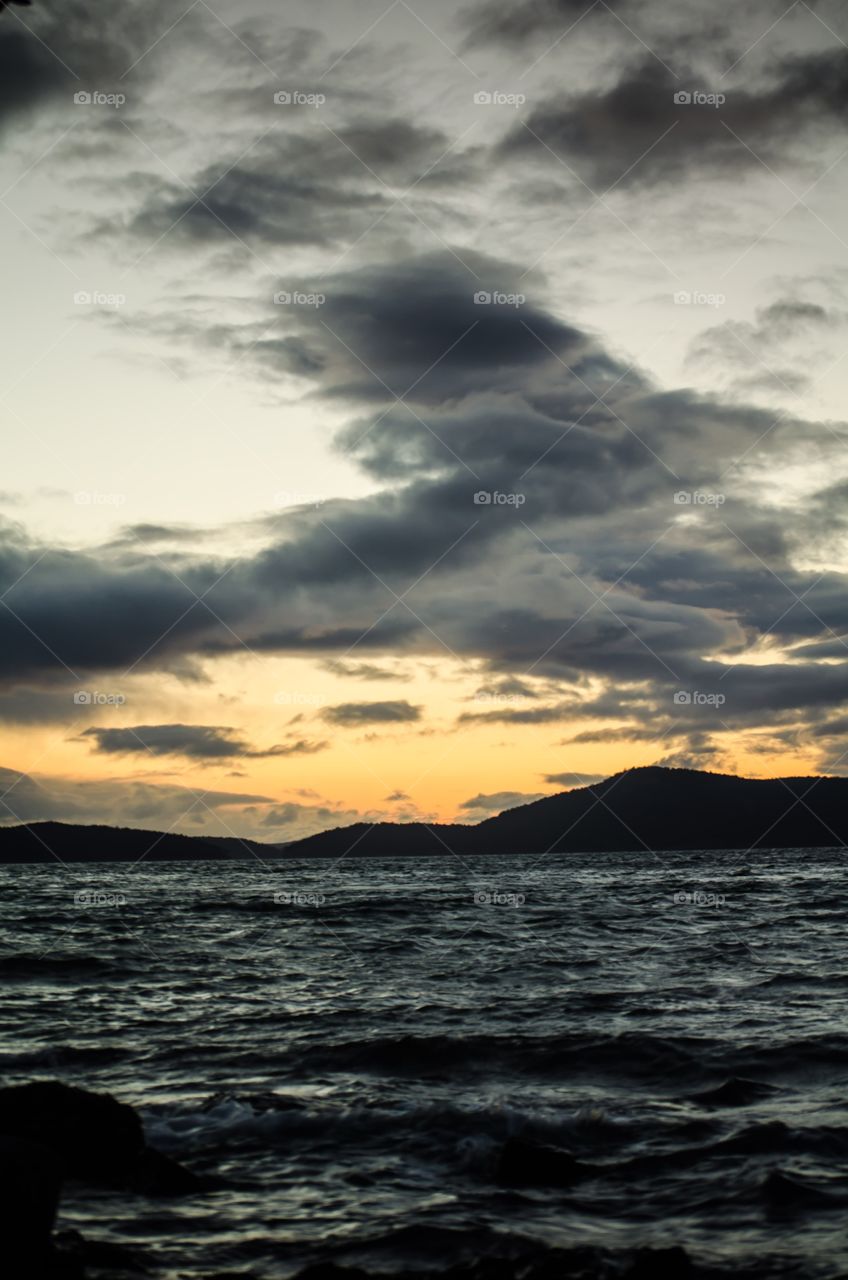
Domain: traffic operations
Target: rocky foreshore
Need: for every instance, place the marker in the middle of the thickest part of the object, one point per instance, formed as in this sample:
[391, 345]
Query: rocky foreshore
[50, 1134]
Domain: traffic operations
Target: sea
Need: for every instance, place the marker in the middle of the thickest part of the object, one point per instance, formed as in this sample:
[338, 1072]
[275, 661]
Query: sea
[343, 1051]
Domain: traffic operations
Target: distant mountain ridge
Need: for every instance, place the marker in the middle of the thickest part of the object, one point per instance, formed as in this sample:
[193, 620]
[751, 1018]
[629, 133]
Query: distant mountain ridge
[67, 842]
[645, 808]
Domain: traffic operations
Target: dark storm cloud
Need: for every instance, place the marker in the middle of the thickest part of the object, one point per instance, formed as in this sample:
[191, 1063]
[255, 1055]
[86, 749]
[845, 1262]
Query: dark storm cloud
[255, 206]
[432, 329]
[315, 186]
[837, 728]
[636, 133]
[718, 697]
[596, 576]
[58, 47]
[754, 582]
[193, 741]
[89, 614]
[29, 73]
[354, 714]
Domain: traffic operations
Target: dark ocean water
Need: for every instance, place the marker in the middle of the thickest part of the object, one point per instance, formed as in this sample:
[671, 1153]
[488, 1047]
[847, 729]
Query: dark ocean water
[347, 1061]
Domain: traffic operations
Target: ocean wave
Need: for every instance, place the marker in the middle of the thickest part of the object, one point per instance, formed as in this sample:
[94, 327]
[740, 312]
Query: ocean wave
[624, 1056]
[471, 1133]
[58, 1057]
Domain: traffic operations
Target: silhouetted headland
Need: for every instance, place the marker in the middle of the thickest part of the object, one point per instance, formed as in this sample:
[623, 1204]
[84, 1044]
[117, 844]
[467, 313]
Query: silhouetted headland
[645, 808]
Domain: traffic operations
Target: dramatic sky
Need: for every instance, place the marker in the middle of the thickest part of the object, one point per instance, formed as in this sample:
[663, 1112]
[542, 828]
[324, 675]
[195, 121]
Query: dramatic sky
[289, 288]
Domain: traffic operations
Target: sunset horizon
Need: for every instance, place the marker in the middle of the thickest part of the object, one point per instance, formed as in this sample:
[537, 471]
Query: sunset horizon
[423, 635]
[401, 449]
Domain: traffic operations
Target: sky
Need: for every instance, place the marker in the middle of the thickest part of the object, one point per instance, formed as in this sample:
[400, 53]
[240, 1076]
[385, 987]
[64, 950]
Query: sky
[413, 410]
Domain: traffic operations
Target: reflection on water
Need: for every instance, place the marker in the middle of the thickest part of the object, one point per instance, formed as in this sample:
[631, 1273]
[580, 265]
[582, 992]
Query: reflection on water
[345, 1048]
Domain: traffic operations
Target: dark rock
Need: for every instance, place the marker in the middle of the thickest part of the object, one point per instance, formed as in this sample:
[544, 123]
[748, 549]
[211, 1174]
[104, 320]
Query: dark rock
[529, 1164]
[93, 1137]
[76, 1251]
[660, 1264]
[329, 1271]
[159, 1175]
[582, 1263]
[30, 1182]
[49, 1132]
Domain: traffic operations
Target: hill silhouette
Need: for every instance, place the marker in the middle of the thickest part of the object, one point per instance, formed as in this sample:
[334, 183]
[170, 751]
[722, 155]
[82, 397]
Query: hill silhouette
[645, 808]
[66, 842]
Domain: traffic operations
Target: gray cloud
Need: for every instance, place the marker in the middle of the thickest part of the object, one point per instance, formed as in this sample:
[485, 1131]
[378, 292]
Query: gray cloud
[193, 741]
[568, 781]
[778, 351]
[354, 714]
[637, 134]
[497, 801]
[499, 22]
[314, 186]
[61, 46]
[132, 803]
[164, 807]
[597, 578]
[394, 329]
[363, 670]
